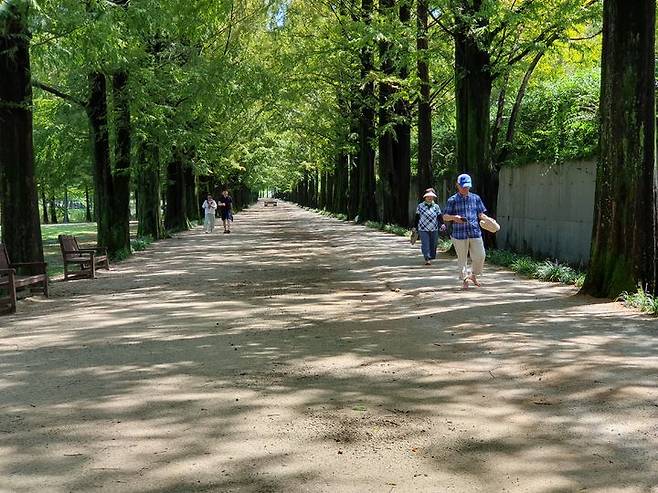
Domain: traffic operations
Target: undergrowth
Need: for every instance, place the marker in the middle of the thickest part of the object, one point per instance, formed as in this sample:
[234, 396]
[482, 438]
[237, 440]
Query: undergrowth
[640, 300]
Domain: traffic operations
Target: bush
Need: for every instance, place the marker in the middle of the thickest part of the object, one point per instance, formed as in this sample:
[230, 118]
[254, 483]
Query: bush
[544, 270]
[525, 266]
[140, 244]
[122, 254]
[556, 272]
[640, 300]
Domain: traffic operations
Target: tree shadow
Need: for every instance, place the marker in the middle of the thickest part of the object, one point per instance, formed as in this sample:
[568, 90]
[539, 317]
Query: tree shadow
[305, 354]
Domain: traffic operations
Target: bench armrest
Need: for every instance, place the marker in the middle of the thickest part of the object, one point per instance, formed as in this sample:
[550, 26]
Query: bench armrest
[94, 250]
[7, 271]
[31, 267]
[26, 264]
[78, 252]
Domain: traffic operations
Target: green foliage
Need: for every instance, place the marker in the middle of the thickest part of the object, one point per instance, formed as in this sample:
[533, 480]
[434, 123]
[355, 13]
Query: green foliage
[388, 228]
[640, 300]
[545, 270]
[556, 272]
[559, 120]
[141, 243]
[122, 254]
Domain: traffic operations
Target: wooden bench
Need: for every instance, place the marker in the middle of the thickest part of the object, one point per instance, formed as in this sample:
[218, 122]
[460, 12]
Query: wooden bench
[269, 202]
[13, 278]
[88, 259]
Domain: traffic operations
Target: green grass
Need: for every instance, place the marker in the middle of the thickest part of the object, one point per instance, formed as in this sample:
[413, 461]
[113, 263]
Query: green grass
[640, 300]
[388, 228]
[86, 235]
[544, 270]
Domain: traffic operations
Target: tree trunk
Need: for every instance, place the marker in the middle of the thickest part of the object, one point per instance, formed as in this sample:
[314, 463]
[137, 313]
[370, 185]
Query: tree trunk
[44, 206]
[120, 201]
[366, 161]
[66, 205]
[100, 138]
[21, 230]
[88, 214]
[329, 190]
[193, 206]
[53, 211]
[149, 213]
[473, 82]
[395, 131]
[402, 147]
[387, 136]
[176, 210]
[623, 253]
[425, 178]
[340, 183]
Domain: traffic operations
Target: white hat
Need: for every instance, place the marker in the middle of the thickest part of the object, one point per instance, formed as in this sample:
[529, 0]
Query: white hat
[430, 194]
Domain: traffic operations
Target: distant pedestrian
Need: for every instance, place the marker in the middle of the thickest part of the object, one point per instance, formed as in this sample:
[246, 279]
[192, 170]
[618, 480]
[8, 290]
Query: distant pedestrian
[427, 223]
[226, 207]
[209, 207]
[466, 209]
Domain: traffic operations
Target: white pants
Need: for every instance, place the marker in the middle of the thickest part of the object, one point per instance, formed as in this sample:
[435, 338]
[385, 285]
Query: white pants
[474, 246]
[209, 223]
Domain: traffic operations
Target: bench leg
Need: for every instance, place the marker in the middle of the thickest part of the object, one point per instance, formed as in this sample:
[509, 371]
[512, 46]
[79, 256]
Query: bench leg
[12, 293]
[93, 267]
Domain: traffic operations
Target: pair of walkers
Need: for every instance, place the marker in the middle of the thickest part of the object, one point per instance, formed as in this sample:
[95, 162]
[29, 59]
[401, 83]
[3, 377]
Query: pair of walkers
[210, 207]
[465, 210]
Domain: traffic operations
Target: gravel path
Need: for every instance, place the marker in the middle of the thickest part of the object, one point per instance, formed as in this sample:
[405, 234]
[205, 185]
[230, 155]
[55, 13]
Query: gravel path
[301, 353]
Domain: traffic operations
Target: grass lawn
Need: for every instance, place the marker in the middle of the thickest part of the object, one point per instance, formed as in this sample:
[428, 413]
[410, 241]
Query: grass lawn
[84, 232]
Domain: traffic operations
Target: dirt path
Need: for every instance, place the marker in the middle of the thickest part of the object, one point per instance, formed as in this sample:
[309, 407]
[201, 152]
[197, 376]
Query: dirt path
[305, 354]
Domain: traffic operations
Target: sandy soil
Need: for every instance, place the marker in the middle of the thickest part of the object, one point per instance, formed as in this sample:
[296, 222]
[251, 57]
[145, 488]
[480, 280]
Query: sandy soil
[301, 353]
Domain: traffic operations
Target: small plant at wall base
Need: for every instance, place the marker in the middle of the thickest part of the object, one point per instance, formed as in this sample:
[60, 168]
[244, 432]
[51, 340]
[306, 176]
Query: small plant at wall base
[140, 244]
[546, 270]
[640, 300]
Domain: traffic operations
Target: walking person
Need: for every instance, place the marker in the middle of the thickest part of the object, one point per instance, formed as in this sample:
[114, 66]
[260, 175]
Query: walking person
[427, 223]
[226, 205]
[465, 209]
[209, 207]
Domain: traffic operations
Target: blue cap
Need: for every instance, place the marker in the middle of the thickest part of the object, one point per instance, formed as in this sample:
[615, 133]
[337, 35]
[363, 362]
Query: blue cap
[464, 181]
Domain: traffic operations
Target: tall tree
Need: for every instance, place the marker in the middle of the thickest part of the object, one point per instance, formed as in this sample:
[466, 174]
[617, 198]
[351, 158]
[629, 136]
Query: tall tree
[473, 83]
[624, 236]
[119, 229]
[394, 127]
[149, 211]
[21, 231]
[424, 104]
[366, 104]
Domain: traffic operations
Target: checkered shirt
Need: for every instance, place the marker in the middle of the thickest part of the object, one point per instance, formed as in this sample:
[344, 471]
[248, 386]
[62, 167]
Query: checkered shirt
[429, 216]
[469, 207]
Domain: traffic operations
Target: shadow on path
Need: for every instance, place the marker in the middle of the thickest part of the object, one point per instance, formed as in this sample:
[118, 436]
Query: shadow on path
[305, 354]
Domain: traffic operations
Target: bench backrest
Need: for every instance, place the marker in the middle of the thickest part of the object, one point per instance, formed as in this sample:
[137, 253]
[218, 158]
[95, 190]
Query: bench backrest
[4, 257]
[69, 245]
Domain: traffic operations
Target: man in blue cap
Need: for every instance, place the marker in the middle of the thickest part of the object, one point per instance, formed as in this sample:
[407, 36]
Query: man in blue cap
[465, 210]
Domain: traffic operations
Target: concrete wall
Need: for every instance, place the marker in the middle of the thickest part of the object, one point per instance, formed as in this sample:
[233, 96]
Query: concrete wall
[548, 211]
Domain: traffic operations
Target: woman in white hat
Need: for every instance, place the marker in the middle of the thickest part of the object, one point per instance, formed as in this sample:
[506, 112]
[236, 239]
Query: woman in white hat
[428, 221]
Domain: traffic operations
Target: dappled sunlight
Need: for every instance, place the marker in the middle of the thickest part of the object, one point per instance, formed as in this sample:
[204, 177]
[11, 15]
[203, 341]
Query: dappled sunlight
[298, 346]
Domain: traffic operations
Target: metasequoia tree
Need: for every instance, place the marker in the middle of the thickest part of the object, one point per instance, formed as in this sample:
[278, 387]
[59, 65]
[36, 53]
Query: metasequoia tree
[623, 251]
[19, 207]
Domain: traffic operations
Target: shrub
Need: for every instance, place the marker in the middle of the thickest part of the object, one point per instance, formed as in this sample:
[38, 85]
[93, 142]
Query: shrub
[524, 265]
[122, 254]
[555, 272]
[641, 300]
[545, 270]
[140, 244]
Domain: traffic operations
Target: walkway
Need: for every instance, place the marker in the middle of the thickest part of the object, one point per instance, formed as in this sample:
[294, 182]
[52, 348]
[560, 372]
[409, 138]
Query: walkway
[301, 353]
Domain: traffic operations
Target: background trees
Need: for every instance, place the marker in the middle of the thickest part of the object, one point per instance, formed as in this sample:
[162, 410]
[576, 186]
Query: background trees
[355, 106]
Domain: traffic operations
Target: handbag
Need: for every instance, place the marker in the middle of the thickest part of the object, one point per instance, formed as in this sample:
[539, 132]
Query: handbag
[414, 236]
